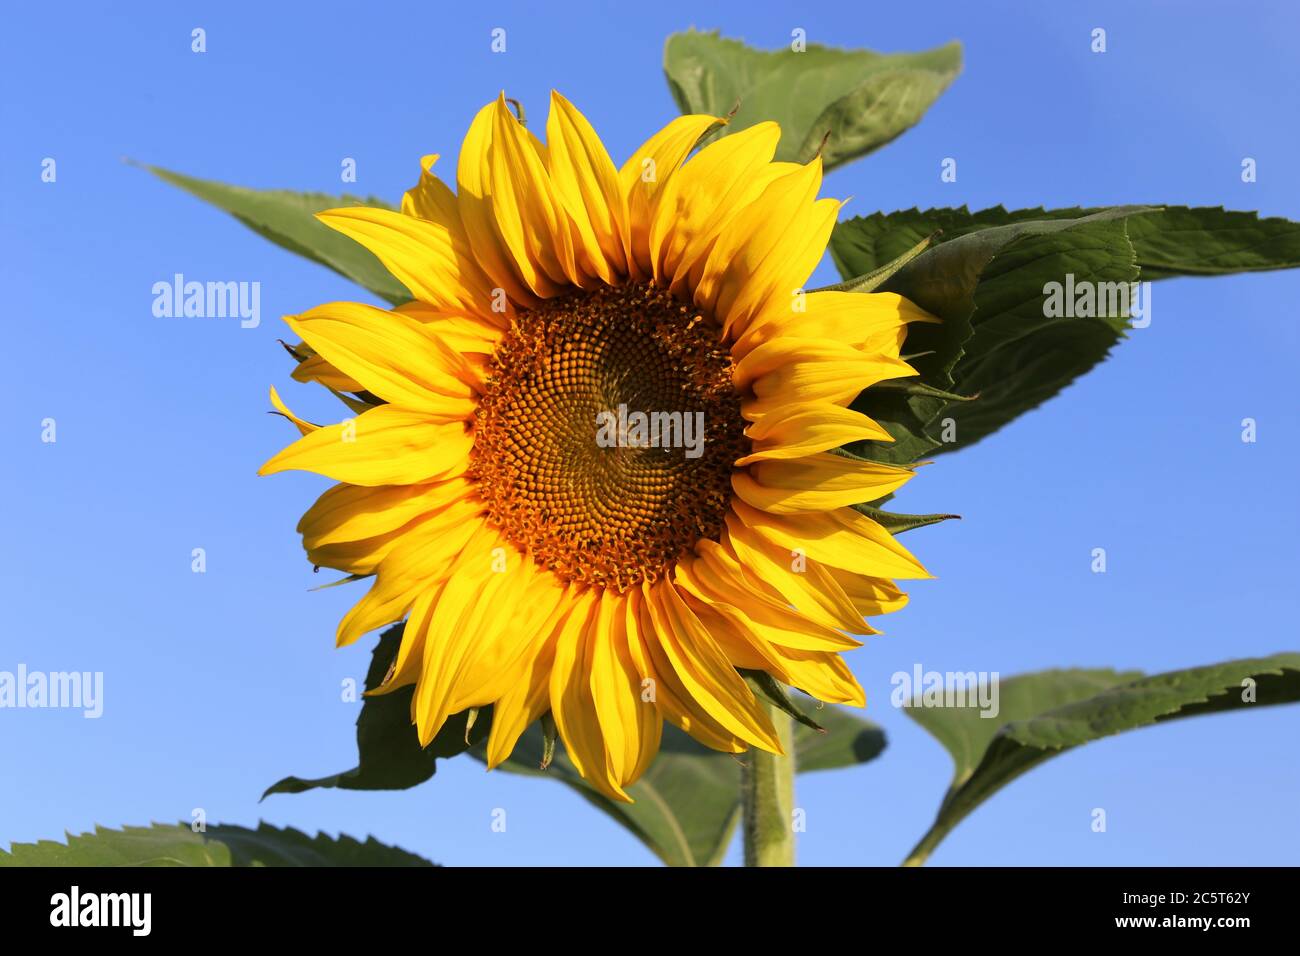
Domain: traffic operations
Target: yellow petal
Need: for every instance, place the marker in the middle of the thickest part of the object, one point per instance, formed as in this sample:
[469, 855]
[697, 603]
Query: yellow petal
[281, 408]
[385, 446]
[454, 626]
[697, 196]
[789, 261]
[854, 318]
[410, 650]
[630, 724]
[587, 182]
[475, 200]
[422, 560]
[769, 249]
[716, 577]
[392, 356]
[359, 558]
[796, 431]
[420, 254]
[496, 660]
[313, 368]
[644, 174]
[354, 528]
[571, 697]
[357, 512]
[871, 596]
[819, 482]
[738, 644]
[791, 371]
[670, 696]
[741, 195]
[431, 199]
[530, 695]
[803, 352]
[822, 676]
[802, 582]
[460, 332]
[703, 670]
[841, 539]
[434, 613]
[530, 218]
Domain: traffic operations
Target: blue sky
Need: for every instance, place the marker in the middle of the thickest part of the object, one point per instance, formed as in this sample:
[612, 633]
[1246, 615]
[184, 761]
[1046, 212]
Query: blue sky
[217, 684]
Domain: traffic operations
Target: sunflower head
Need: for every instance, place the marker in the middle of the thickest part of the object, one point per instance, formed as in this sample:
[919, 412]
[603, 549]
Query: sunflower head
[593, 463]
[596, 496]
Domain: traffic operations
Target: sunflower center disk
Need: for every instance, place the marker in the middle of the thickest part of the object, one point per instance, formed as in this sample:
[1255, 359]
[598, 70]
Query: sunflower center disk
[604, 442]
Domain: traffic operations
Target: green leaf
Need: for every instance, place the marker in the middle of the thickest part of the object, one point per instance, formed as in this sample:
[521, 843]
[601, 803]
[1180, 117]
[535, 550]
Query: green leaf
[1169, 241]
[389, 753]
[688, 802]
[862, 99]
[776, 693]
[288, 219]
[896, 523]
[177, 845]
[1044, 714]
[849, 740]
[1209, 241]
[997, 346]
[874, 279]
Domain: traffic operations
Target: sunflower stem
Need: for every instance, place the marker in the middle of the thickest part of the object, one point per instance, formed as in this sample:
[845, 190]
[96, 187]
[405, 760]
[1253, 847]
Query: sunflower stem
[768, 784]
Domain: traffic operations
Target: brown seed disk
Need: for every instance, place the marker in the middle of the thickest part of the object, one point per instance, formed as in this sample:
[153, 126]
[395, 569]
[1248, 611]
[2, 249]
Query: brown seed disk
[607, 515]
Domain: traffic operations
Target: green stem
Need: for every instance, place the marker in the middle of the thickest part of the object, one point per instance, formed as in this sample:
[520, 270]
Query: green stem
[768, 785]
[933, 837]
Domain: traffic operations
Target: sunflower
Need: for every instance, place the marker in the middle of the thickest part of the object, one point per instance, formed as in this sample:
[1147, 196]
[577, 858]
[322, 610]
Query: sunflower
[548, 551]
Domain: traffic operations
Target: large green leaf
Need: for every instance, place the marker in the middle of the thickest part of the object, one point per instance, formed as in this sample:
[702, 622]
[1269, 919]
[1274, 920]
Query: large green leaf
[288, 219]
[997, 344]
[848, 740]
[389, 753]
[860, 98]
[222, 845]
[687, 804]
[1169, 241]
[1044, 714]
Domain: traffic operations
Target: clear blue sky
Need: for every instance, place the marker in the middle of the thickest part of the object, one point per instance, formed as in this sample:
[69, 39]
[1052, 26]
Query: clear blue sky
[219, 684]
